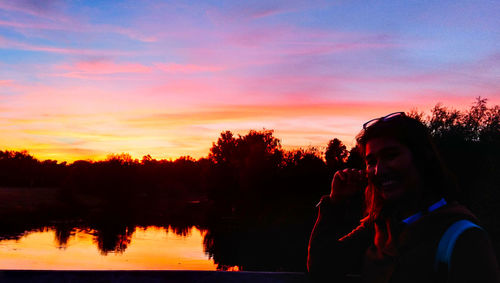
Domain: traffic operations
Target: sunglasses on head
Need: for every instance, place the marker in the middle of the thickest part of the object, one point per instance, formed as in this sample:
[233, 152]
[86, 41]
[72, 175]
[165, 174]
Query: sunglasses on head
[383, 119]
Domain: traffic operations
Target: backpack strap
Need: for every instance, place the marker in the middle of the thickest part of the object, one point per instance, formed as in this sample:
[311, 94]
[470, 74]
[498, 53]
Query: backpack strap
[447, 243]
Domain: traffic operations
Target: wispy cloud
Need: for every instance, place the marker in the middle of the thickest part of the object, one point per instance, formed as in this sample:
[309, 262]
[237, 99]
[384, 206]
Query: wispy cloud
[186, 68]
[86, 69]
[76, 27]
[6, 83]
[26, 25]
[269, 111]
[131, 33]
[48, 15]
[241, 12]
[16, 45]
[49, 9]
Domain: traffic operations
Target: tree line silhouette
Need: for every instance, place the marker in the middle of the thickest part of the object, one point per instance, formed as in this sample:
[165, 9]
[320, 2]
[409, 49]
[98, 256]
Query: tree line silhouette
[254, 199]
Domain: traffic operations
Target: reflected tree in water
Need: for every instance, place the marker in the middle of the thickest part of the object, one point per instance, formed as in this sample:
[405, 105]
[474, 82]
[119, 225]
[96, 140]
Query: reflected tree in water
[62, 234]
[113, 238]
[183, 230]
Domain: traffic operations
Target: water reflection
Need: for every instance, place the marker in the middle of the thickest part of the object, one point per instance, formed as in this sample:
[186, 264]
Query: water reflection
[248, 234]
[228, 244]
[113, 238]
[145, 248]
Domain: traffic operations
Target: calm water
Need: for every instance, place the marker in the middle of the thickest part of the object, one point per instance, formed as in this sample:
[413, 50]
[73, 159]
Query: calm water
[151, 248]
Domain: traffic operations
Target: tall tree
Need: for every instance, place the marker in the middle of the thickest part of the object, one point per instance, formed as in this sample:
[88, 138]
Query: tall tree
[224, 150]
[335, 155]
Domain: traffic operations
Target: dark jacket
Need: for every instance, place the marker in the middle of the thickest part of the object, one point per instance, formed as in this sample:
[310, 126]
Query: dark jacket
[337, 255]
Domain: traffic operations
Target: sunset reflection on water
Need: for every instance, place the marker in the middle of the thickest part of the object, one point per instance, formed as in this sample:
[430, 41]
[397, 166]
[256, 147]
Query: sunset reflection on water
[151, 248]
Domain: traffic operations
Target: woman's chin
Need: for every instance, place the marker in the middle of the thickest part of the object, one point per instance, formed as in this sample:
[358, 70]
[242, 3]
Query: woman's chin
[390, 196]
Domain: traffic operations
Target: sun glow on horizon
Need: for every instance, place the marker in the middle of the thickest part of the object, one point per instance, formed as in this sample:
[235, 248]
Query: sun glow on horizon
[297, 127]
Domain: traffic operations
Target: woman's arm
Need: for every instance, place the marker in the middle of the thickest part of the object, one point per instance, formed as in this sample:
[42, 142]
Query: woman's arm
[332, 254]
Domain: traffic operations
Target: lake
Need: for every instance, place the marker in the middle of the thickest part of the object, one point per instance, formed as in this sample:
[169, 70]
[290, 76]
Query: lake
[42, 228]
[151, 248]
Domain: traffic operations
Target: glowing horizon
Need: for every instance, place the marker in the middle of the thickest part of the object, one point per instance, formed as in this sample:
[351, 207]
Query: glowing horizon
[85, 80]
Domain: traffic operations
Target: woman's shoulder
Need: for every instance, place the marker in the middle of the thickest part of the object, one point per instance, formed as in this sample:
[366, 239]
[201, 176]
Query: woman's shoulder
[451, 213]
[471, 256]
[473, 259]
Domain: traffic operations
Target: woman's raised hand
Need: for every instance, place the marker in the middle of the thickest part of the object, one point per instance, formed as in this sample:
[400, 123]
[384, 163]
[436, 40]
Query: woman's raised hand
[346, 183]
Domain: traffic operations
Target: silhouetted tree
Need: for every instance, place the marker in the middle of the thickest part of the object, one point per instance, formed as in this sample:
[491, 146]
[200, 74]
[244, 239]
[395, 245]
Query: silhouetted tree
[224, 150]
[335, 155]
[470, 144]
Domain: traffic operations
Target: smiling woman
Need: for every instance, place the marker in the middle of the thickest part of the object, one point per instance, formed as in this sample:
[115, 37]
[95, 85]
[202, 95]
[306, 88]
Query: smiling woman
[413, 230]
[389, 165]
[402, 161]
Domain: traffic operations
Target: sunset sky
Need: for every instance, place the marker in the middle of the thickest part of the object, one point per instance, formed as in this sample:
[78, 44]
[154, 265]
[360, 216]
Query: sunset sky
[84, 79]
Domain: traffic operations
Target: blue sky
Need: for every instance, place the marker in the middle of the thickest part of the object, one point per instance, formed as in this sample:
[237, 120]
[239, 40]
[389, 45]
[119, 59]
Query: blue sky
[84, 79]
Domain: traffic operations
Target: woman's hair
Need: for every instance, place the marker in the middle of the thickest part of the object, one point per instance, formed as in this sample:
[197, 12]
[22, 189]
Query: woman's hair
[436, 180]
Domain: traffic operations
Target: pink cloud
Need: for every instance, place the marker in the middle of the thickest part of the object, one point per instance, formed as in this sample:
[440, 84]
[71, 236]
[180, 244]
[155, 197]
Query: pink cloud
[6, 83]
[196, 88]
[186, 68]
[139, 35]
[22, 25]
[329, 48]
[107, 67]
[257, 36]
[74, 51]
[101, 70]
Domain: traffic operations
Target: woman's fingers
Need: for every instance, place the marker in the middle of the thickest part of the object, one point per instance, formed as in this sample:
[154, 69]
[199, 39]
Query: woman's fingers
[351, 176]
[347, 182]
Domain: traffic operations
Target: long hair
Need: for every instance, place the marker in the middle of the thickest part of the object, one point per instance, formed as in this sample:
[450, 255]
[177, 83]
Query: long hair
[437, 181]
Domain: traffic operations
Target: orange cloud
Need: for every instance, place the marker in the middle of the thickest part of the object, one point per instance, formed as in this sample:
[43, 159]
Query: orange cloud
[241, 112]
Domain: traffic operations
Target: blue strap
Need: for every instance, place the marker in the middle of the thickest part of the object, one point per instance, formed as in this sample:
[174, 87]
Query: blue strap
[447, 242]
[440, 203]
[418, 215]
[413, 218]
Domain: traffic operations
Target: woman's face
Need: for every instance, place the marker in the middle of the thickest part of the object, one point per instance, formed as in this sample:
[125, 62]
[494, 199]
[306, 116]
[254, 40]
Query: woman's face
[391, 169]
